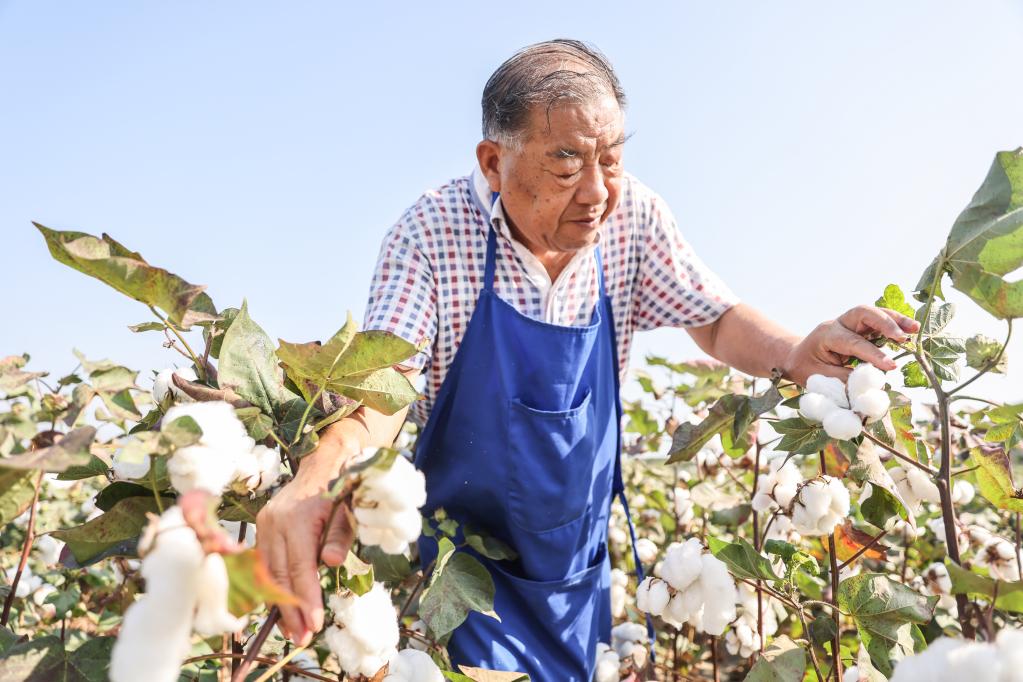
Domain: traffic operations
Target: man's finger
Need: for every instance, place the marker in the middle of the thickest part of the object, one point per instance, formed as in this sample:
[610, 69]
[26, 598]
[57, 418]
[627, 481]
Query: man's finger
[291, 623]
[837, 371]
[863, 318]
[848, 343]
[908, 324]
[339, 538]
[305, 579]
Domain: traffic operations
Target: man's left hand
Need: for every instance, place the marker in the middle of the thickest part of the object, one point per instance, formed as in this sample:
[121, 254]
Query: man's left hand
[831, 344]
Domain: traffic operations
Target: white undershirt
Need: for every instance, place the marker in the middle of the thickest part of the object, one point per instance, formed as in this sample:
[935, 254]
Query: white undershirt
[532, 268]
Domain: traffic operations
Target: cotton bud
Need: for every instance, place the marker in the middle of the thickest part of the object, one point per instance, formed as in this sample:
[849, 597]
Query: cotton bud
[647, 551]
[815, 406]
[864, 377]
[821, 505]
[608, 664]
[164, 384]
[386, 506]
[412, 665]
[872, 404]
[652, 596]
[619, 592]
[776, 488]
[842, 424]
[364, 635]
[831, 388]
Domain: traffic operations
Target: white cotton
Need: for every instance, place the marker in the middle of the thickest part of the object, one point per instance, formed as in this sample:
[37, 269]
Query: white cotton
[915, 486]
[652, 596]
[619, 593]
[719, 594]
[364, 636]
[155, 634]
[259, 470]
[48, 548]
[872, 404]
[842, 424]
[815, 406]
[647, 551]
[822, 504]
[963, 492]
[952, 660]
[212, 463]
[628, 641]
[163, 384]
[418, 627]
[27, 584]
[1000, 558]
[307, 662]
[742, 639]
[129, 471]
[864, 377]
[831, 388]
[386, 506]
[681, 564]
[412, 665]
[776, 488]
[851, 674]
[211, 614]
[608, 664]
[617, 536]
[233, 528]
[683, 505]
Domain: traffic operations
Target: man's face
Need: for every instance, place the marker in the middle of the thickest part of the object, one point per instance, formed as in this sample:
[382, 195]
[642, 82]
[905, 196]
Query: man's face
[563, 179]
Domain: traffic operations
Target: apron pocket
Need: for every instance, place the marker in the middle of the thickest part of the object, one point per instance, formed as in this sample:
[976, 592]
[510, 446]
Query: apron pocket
[550, 463]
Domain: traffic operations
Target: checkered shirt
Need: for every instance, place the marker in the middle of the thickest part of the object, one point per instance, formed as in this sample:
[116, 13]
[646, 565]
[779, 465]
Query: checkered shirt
[431, 268]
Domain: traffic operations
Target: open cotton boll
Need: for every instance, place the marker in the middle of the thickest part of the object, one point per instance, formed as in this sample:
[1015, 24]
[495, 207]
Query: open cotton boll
[258, 471]
[619, 592]
[125, 470]
[952, 660]
[915, 486]
[652, 596]
[412, 665]
[628, 640]
[719, 595]
[647, 550]
[816, 406]
[777, 488]
[1000, 558]
[821, 505]
[681, 564]
[211, 614]
[364, 636]
[831, 388]
[683, 505]
[963, 492]
[210, 464]
[386, 506]
[608, 664]
[27, 584]
[163, 384]
[48, 548]
[842, 424]
[872, 404]
[864, 377]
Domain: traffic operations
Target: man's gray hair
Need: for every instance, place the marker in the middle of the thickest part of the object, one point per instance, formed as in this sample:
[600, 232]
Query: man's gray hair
[545, 74]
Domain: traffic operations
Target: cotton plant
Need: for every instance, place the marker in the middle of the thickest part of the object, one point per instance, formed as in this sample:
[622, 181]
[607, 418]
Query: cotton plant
[619, 593]
[777, 488]
[608, 664]
[842, 408]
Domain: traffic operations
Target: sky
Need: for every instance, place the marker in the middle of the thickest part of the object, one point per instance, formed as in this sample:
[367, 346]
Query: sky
[811, 152]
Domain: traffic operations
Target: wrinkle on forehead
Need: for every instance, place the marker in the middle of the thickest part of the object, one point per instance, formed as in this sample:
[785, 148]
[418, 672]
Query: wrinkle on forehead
[584, 125]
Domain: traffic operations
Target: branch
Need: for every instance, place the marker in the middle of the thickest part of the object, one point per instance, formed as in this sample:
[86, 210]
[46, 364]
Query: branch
[919, 465]
[25, 549]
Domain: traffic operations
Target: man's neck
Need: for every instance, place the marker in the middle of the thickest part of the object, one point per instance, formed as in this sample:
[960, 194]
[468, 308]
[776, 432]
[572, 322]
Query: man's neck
[554, 262]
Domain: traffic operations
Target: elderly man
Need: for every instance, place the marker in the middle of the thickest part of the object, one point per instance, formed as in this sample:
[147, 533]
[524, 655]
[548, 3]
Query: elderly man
[528, 278]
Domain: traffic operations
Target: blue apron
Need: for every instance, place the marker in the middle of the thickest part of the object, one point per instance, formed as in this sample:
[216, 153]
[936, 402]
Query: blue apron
[524, 443]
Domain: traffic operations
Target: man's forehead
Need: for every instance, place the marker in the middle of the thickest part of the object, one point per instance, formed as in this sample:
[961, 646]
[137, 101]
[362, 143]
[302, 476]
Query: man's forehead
[579, 127]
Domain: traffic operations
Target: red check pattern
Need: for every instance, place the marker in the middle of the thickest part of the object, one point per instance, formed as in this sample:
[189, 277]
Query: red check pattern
[430, 271]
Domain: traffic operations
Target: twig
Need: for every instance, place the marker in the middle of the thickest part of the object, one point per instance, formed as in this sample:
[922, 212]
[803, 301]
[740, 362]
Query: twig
[198, 365]
[904, 458]
[25, 549]
[280, 664]
[836, 643]
[263, 660]
[863, 549]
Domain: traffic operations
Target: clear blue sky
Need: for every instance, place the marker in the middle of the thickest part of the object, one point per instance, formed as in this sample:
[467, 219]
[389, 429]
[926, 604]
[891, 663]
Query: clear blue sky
[812, 152]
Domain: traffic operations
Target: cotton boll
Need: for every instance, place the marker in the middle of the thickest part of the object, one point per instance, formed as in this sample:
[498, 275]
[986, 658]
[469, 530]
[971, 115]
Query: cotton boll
[647, 550]
[950, 660]
[652, 596]
[627, 640]
[831, 388]
[257, 471]
[411, 665]
[365, 631]
[386, 506]
[201, 468]
[864, 377]
[608, 664]
[872, 404]
[842, 424]
[27, 584]
[681, 564]
[915, 486]
[683, 505]
[776, 488]
[163, 384]
[619, 592]
[1000, 558]
[851, 674]
[419, 627]
[719, 595]
[211, 614]
[962, 492]
[815, 406]
[48, 548]
[821, 505]
[129, 471]
[212, 463]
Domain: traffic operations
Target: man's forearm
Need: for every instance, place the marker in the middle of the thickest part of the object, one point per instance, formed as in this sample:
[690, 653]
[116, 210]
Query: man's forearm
[747, 340]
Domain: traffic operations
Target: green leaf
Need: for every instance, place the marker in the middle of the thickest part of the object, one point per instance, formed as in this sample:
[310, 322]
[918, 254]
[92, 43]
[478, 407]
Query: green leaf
[241, 507]
[913, 375]
[147, 327]
[180, 433]
[884, 612]
[314, 362]
[125, 521]
[986, 241]
[17, 488]
[250, 584]
[258, 425]
[488, 545]
[938, 317]
[782, 661]
[96, 466]
[71, 450]
[982, 351]
[47, 660]
[248, 364]
[1009, 594]
[64, 600]
[944, 353]
[129, 273]
[800, 436]
[217, 330]
[459, 584]
[994, 478]
[882, 505]
[121, 490]
[388, 568]
[356, 574]
[689, 438]
[742, 559]
[1007, 427]
[894, 299]
[384, 390]
[12, 378]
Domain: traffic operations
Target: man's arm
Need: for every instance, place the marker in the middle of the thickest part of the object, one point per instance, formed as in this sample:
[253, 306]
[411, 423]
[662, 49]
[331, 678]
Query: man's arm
[750, 342]
[289, 527]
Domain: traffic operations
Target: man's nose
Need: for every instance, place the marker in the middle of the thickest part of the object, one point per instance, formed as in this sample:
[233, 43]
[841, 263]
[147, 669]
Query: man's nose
[592, 190]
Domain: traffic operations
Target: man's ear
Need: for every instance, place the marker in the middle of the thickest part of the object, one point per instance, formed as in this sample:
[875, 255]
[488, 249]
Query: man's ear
[488, 154]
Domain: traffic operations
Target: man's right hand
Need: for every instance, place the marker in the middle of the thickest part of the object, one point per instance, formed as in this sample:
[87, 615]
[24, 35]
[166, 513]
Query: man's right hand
[289, 529]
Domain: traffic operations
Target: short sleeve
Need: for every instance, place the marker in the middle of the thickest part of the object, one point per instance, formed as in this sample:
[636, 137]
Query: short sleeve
[402, 295]
[674, 288]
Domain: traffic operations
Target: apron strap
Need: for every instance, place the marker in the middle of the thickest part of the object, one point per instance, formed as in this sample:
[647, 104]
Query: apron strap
[488, 274]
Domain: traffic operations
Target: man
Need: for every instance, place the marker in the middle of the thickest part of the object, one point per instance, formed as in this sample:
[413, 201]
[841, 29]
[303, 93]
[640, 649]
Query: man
[529, 278]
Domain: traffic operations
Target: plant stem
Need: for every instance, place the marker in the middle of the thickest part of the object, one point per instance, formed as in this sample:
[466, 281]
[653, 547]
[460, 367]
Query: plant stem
[756, 545]
[813, 651]
[863, 549]
[152, 484]
[198, 365]
[904, 458]
[836, 643]
[280, 664]
[25, 549]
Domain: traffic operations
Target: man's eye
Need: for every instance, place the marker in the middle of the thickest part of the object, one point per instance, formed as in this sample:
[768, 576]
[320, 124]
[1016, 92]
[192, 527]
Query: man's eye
[568, 176]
